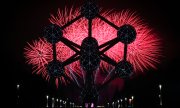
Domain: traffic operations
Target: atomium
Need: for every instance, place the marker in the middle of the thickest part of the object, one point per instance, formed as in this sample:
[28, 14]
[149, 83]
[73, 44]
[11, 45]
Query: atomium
[89, 53]
[86, 55]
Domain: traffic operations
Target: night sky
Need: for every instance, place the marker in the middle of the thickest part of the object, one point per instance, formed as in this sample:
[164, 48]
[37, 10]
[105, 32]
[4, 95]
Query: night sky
[25, 20]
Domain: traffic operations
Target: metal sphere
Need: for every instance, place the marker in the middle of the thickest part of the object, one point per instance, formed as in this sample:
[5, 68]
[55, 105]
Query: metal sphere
[89, 10]
[126, 34]
[52, 33]
[89, 59]
[55, 69]
[124, 69]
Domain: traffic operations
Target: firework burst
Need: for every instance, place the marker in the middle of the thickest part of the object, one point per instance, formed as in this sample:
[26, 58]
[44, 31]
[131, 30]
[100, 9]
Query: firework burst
[143, 53]
[38, 54]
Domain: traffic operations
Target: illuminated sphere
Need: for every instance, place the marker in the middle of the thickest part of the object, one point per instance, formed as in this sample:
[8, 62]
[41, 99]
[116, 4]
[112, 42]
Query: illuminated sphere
[89, 10]
[55, 69]
[52, 33]
[126, 34]
[89, 59]
[124, 69]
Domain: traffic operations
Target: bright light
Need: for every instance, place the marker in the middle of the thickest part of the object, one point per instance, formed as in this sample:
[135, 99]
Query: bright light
[57, 100]
[47, 101]
[125, 99]
[18, 86]
[132, 97]
[92, 105]
[130, 100]
[159, 96]
[160, 86]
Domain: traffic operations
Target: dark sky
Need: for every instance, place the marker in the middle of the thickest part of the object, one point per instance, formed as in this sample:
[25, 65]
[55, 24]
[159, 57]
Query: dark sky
[24, 21]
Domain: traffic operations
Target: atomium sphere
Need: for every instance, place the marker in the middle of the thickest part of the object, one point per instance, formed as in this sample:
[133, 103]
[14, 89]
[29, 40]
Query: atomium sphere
[89, 10]
[89, 59]
[124, 69]
[52, 33]
[126, 34]
[55, 69]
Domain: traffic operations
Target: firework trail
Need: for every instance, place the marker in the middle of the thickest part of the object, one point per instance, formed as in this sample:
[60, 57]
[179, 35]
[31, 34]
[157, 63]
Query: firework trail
[143, 53]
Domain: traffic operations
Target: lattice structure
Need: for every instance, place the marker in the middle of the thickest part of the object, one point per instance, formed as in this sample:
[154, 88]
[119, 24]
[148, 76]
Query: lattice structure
[89, 53]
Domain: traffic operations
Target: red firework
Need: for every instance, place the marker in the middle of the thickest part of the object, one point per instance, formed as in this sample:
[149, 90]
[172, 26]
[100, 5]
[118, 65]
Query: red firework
[143, 53]
[39, 54]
